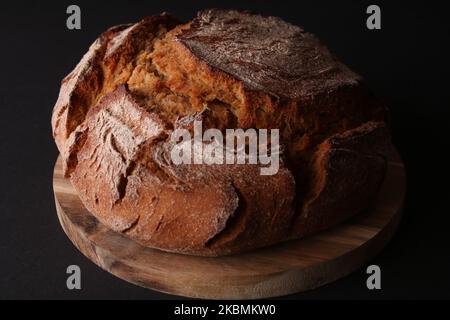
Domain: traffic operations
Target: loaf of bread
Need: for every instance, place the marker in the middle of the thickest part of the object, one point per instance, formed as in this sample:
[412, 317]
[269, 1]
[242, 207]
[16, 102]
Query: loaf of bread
[139, 82]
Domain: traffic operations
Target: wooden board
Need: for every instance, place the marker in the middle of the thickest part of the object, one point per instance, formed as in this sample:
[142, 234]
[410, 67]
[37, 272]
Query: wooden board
[274, 271]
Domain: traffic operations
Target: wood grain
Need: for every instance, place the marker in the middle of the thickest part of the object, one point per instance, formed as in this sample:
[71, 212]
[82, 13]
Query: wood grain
[274, 271]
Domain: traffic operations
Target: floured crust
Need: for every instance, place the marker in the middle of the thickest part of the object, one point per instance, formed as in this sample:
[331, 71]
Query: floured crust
[266, 53]
[139, 82]
[107, 64]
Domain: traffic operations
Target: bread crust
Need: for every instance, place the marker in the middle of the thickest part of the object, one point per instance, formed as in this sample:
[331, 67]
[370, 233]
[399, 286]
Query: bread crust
[139, 82]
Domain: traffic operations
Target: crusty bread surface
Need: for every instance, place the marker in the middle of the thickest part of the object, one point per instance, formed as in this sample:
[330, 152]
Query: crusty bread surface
[117, 110]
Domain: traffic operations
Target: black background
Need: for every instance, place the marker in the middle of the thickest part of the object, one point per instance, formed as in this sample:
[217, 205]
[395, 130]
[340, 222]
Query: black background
[405, 63]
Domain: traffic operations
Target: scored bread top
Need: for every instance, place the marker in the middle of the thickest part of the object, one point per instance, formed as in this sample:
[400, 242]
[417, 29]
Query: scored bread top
[138, 82]
[266, 53]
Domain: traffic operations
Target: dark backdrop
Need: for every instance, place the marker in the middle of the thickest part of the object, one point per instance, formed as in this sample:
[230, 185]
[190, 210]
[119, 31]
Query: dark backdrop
[406, 63]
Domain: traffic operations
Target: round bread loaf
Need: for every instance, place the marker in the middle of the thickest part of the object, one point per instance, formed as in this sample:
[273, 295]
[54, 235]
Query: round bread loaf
[138, 83]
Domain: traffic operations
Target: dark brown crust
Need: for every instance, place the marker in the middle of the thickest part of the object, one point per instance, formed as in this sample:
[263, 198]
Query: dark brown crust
[265, 53]
[117, 110]
[174, 207]
[348, 170]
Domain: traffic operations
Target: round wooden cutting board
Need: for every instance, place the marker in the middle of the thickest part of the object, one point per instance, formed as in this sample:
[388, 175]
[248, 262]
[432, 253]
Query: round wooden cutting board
[274, 271]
